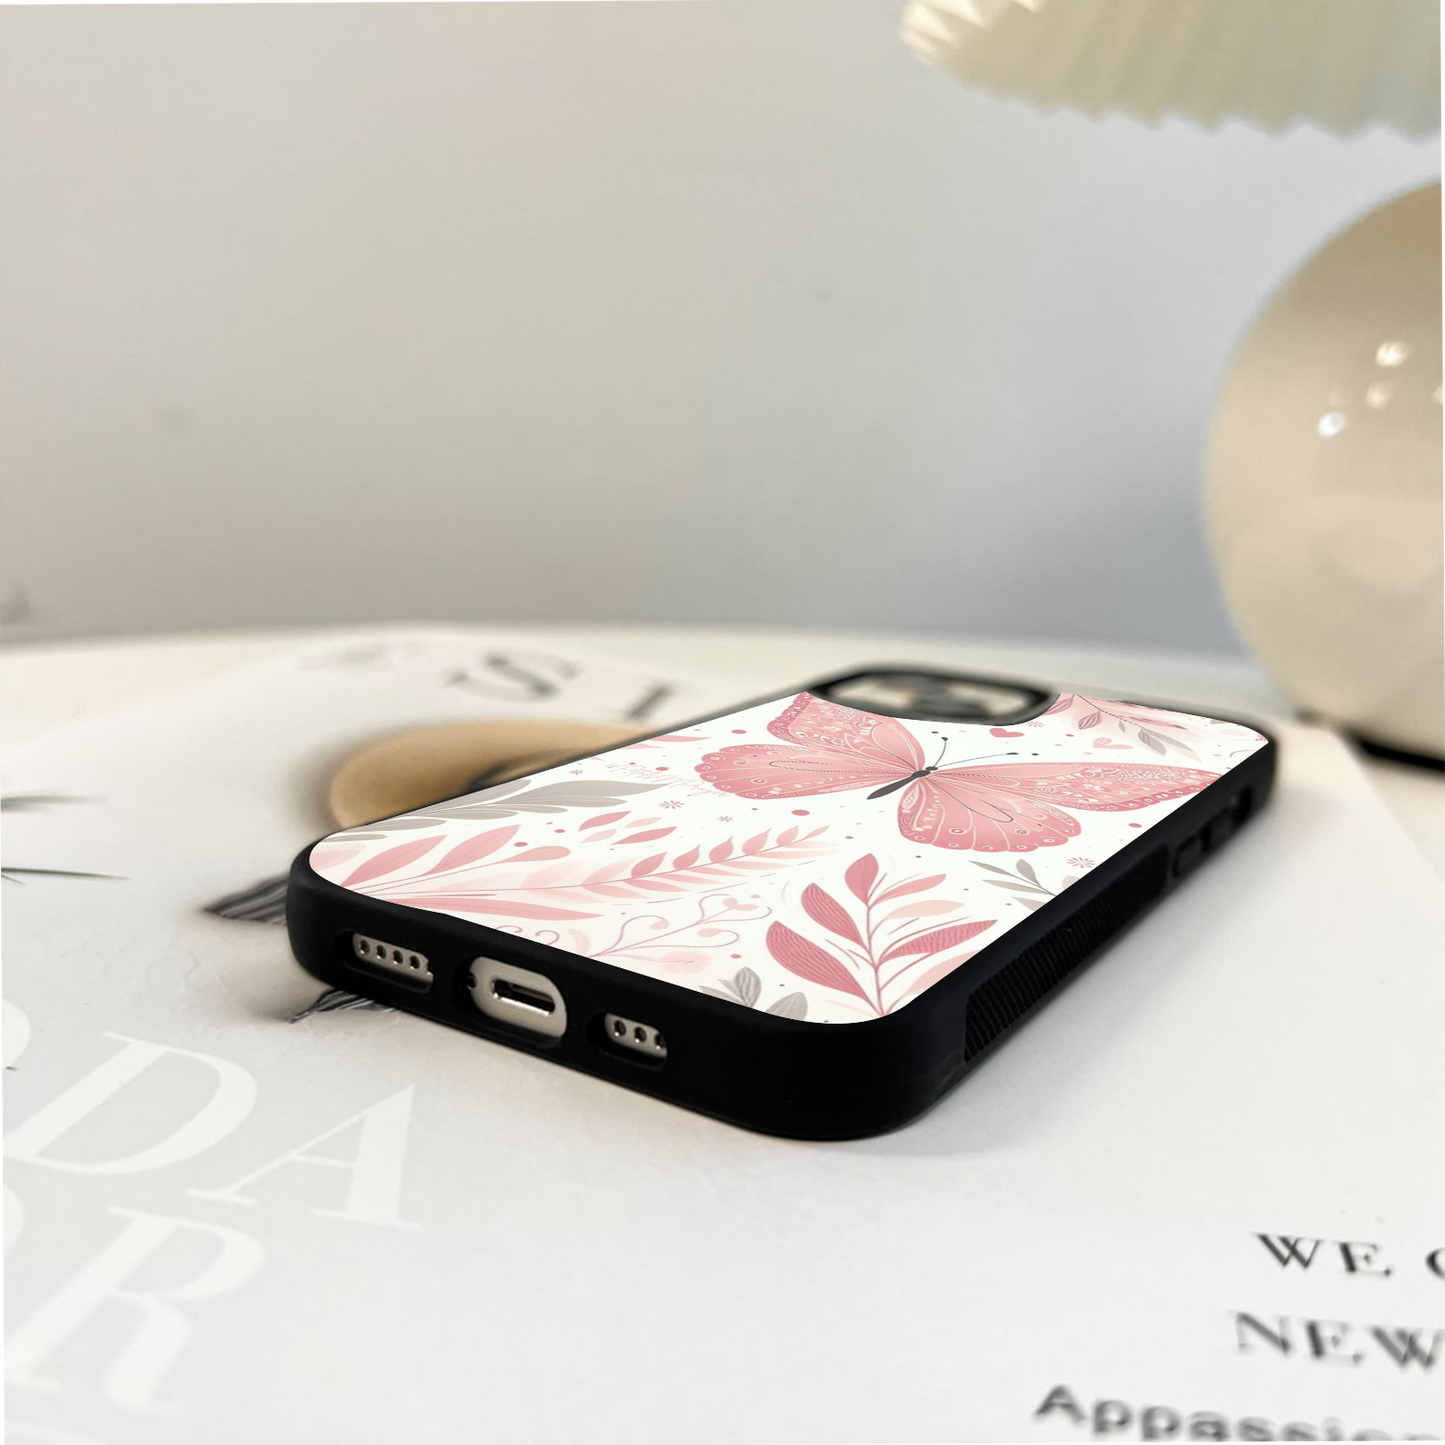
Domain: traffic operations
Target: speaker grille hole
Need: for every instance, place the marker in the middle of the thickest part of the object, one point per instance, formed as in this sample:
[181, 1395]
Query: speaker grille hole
[639, 1038]
[1004, 999]
[405, 965]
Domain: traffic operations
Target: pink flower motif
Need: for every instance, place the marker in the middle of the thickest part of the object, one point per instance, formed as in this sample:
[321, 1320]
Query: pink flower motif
[1079, 862]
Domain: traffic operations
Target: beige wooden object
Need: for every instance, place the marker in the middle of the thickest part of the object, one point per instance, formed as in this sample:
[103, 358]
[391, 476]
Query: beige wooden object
[425, 765]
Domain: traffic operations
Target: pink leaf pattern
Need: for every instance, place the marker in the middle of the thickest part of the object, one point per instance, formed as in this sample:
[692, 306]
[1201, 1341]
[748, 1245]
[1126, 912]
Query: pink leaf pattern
[496, 878]
[860, 876]
[1130, 724]
[809, 961]
[936, 942]
[681, 944]
[861, 971]
[600, 822]
[914, 885]
[475, 849]
[648, 837]
[924, 908]
[825, 909]
[330, 857]
[391, 860]
[477, 903]
[931, 976]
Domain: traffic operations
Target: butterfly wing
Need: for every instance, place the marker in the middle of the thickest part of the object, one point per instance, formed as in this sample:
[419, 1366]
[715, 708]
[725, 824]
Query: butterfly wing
[947, 811]
[781, 770]
[826, 749]
[817, 723]
[1096, 787]
[1015, 808]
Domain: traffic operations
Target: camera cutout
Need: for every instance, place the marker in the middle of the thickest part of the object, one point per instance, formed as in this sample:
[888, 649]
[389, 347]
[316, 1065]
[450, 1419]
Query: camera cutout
[937, 696]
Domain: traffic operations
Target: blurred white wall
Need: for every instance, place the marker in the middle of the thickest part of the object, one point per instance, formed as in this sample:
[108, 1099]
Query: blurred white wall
[714, 311]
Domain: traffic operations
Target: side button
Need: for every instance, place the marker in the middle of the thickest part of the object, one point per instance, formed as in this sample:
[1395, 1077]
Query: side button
[1187, 856]
[1217, 829]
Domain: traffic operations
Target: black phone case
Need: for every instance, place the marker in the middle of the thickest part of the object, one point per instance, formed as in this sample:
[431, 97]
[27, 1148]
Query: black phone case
[766, 1071]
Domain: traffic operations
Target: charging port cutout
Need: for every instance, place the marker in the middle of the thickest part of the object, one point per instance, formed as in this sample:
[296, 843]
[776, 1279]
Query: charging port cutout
[519, 997]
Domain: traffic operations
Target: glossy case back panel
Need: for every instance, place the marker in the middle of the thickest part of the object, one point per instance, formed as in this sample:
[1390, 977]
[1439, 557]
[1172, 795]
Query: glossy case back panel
[799, 857]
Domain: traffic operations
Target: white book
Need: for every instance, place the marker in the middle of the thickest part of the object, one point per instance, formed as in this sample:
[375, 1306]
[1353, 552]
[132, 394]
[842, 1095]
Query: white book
[1197, 1197]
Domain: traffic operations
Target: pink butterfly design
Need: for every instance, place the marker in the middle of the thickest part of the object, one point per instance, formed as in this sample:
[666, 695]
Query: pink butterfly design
[1010, 807]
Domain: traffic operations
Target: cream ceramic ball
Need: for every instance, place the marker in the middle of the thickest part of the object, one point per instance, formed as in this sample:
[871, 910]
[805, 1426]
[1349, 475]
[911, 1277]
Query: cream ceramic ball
[1324, 481]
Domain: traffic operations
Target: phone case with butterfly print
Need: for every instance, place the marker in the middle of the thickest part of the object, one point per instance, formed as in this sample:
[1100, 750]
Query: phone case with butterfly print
[803, 916]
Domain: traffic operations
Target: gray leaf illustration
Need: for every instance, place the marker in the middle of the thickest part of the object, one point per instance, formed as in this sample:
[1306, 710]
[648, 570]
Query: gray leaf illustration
[504, 790]
[793, 1006]
[400, 825]
[393, 825]
[549, 798]
[748, 985]
[1027, 869]
[584, 795]
[991, 868]
[1151, 740]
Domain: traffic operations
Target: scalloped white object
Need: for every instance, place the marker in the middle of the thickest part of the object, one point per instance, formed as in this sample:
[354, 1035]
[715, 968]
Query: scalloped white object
[1340, 64]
